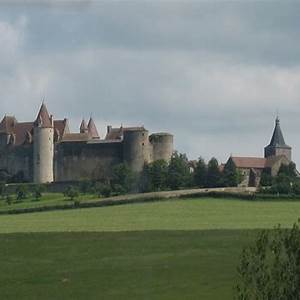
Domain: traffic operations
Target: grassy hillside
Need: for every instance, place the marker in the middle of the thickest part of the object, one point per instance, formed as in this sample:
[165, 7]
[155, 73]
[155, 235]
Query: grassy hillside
[134, 265]
[183, 249]
[195, 214]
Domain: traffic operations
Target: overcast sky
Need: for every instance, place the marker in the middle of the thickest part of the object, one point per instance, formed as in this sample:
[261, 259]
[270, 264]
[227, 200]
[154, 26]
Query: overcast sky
[212, 73]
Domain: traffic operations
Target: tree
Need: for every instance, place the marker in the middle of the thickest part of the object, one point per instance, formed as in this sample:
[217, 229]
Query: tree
[200, 173]
[38, 192]
[230, 174]
[266, 178]
[71, 192]
[122, 175]
[213, 173]
[179, 174]
[270, 268]
[288, 170]
[2, 189]
[156, 175]
[21, 192]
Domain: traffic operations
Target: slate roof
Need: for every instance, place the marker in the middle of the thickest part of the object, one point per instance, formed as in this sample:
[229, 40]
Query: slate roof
[277, 139]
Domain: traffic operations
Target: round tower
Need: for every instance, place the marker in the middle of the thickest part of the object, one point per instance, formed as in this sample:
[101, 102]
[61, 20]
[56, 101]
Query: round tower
[162, 144]
[43, 147]
[136, 150]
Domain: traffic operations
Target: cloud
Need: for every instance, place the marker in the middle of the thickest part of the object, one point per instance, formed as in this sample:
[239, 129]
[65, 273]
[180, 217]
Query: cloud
[212, 74]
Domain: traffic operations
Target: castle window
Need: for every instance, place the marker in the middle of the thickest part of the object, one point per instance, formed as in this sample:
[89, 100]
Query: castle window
[143, 144]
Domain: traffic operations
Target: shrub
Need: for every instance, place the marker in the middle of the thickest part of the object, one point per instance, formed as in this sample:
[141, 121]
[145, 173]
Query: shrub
[21, 192]
[37, 192]
[8, 199]
[85, 186]
[71, 192]
[2, 189]
[270, 268]
[103, 189]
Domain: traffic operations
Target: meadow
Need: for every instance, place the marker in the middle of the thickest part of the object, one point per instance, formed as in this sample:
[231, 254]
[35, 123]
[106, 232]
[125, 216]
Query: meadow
[179, 249]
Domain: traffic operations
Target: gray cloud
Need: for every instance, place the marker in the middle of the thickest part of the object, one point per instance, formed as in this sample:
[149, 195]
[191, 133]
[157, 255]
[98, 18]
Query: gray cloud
[212, 73]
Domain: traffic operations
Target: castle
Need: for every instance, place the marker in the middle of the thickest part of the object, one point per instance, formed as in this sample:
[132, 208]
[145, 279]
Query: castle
[277, 153]
[46, 151]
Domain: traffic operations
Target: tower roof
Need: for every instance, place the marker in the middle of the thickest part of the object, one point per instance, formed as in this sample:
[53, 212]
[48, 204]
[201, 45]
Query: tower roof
[43, 118]
[277, 137]
[92, 129]
[83, 126]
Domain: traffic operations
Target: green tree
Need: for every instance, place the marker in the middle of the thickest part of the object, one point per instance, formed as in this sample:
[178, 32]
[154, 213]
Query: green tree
[179, 175]
[200, 173]
[71, 192]
[230, 174]
[2, 189]
[270, 268]
[38, 192]
[288, 170]
[266, 178]
[124, 176]
[282, 184]
[21, 192]
[214, 175]
[156, 174]
[103, 189]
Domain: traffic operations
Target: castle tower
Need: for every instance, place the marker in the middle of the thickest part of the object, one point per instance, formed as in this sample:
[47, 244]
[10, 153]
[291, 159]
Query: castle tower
[43, 147]
[162, 145]
[83, 127]
[277, 145]
[136, 148]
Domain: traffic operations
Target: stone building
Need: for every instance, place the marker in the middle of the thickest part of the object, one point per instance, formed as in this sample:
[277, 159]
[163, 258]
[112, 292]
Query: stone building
[275, 154]
[45, 150]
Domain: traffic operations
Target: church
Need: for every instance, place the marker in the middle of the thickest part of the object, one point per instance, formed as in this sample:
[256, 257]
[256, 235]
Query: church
[277, 153]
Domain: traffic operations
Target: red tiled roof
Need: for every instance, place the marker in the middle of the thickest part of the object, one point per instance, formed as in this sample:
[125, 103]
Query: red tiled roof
[10, 125]
[249, 162]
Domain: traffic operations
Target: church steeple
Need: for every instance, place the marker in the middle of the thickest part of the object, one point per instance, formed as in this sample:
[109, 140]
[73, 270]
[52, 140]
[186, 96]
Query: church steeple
[277, 144]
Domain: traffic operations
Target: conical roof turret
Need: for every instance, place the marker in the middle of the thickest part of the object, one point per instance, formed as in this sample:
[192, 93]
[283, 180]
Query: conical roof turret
[43, 119]
[277, 139]
[92, 129]
[83, 126]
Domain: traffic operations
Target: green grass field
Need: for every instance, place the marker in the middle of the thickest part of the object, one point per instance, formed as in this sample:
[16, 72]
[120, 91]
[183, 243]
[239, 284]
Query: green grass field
[183, 249]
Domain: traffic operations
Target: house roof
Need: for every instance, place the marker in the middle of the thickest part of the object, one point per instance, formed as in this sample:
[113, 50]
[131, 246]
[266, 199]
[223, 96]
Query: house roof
[249, 162]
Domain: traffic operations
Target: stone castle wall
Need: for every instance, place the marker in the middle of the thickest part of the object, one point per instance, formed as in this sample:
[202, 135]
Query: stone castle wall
[72, 161]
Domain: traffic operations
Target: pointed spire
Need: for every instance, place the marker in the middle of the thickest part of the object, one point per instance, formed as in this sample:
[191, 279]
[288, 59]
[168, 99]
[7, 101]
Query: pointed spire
[43, 119]
[92, 129]
[277, 137]
[83, 127]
